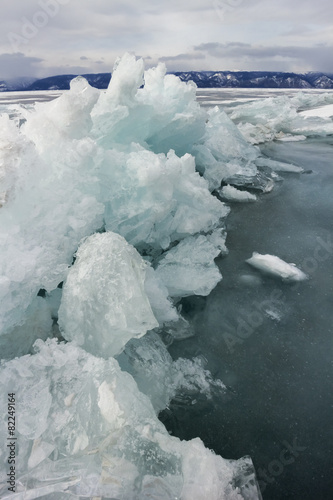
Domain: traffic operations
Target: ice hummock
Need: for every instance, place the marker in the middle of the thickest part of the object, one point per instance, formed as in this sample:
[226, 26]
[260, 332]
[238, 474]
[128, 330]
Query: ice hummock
[275, 266]
[71, 187]
[79, 176]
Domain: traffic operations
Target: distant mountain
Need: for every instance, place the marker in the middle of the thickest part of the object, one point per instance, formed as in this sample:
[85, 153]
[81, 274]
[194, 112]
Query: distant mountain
[61, 82]
[203, 79]
[258, 79]
[16, 84]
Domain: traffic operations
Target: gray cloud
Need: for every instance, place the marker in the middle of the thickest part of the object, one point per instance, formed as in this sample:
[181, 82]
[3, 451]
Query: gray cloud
[280, 58]
[182, 57]
[15, 65]
[252, 34]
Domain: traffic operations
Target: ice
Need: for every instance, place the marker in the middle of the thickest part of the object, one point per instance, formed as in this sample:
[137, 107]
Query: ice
[157, 293]
[73, 179]
[104, 303]
[37, 325]
[229, 193]
[96, 434]
[277, 267]
[52, 206]
[189, 268]
[260, 182]
[278, 166]
[106, 221]
[304, 100]
[10, 151]
[163, 379]
[164, 114]
[282, 118]
[223, 151]
[322, 112]
[155, 199]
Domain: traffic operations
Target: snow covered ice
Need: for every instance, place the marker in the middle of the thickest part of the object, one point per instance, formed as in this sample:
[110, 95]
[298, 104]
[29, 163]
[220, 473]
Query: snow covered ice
[106, 221]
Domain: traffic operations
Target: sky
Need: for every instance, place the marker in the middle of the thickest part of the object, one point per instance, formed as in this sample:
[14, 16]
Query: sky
[40, 38]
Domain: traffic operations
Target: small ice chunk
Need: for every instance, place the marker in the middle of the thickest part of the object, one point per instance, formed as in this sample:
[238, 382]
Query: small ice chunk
[259, 182]
[289, 138]
[189, 268]
[278, 166]
[277, 267]
[273, 314]
[230, 193]
[161, 378]
[104, 303]
[164, 311]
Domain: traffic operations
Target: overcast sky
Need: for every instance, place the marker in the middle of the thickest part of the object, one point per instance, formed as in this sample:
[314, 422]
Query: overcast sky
[41, 38]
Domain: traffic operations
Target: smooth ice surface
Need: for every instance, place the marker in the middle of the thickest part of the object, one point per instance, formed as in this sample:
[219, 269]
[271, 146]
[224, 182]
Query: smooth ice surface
[104, 303]
[96, 434]
[230, 193]
[277, 267]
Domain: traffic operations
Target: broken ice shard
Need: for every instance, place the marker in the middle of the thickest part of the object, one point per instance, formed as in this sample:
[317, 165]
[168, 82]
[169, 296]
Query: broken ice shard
[104, 303]
[85, 430]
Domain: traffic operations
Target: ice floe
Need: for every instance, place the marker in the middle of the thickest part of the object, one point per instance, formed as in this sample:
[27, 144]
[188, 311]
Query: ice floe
[271, 264]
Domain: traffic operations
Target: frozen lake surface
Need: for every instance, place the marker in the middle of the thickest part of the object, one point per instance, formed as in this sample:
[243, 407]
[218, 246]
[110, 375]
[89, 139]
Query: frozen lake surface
[271, 342]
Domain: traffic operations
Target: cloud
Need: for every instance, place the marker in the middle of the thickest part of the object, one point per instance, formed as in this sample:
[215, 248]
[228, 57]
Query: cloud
[255, 34]
[279, 58]
[15, 65]
[182, 57]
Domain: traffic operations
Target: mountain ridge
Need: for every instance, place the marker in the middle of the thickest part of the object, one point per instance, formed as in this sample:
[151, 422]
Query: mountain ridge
[203, 79]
